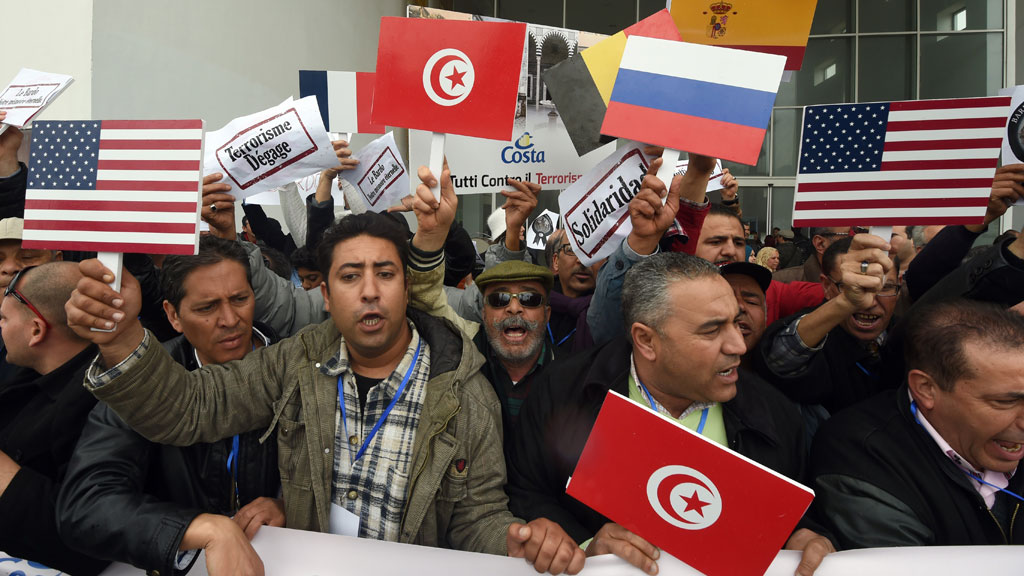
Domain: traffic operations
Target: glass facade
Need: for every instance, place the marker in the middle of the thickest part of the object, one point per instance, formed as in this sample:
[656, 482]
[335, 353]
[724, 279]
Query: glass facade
[859, 51]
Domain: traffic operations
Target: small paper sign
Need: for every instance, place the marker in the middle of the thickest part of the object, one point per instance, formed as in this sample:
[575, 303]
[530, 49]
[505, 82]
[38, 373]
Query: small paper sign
[714, 181]
[271, 148]
[596, 208]
[381, 177]
[29, 93]
[540, 229]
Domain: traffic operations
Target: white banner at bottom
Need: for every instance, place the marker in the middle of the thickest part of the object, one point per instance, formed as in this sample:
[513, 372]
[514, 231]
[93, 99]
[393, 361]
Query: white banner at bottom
[298, 553]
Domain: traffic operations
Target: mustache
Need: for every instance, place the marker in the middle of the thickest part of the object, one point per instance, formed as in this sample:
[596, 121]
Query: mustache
[515, 322]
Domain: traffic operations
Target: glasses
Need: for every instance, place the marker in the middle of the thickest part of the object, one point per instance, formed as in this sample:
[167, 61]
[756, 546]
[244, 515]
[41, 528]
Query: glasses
[526, 299]
[565, 250]
[887, 291]
[11, 290]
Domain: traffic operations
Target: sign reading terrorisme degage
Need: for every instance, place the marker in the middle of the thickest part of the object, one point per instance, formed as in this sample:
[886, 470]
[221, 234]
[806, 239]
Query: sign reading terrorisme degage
[595, 209]
[271, 148]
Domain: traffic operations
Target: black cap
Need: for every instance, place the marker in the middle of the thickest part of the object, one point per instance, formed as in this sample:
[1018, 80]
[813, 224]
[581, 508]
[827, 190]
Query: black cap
[760, 274]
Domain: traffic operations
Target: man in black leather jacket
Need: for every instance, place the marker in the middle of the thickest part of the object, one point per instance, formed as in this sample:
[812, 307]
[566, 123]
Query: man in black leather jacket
[130, 500]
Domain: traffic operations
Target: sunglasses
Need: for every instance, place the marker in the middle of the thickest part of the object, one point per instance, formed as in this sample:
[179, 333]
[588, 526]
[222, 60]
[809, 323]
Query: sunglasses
[11, 290]
[526, 299]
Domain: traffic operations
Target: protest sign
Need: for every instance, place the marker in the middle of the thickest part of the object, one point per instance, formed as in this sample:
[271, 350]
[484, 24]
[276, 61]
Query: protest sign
[596, 208]
[542, 151]
[1013, 140]
[540, 229]
[381, 177]
[344, 98]
[114, 186]
[720, 108]
[714, 181]
[920, 162]
[270, 148]
[685, 493]
[581, 86]
[756, 26]
[28, 94]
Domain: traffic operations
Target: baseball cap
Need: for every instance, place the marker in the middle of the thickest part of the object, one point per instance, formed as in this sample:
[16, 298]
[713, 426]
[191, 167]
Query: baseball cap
[11, 228]
[759, 273]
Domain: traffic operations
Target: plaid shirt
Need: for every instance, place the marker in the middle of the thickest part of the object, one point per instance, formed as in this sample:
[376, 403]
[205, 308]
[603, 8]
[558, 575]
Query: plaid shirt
[374, 487]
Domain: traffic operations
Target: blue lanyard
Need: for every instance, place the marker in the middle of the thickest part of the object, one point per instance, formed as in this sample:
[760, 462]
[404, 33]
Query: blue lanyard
[387, 411]
[234, 450]
[913, 410]
[650, 400]
[562, 341]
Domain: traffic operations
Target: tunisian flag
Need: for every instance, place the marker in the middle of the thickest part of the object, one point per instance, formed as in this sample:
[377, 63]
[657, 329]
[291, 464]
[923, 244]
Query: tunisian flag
[456, 77]
[708, 506]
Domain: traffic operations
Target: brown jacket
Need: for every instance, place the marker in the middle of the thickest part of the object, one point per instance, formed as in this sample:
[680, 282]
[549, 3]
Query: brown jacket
[460, 506]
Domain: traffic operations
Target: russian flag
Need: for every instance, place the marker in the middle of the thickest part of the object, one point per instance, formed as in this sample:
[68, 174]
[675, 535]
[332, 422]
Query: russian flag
[344, 98]
[701, 99]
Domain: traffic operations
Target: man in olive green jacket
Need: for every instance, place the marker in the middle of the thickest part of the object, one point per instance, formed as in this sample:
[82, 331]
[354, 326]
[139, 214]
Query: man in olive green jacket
[455, 473]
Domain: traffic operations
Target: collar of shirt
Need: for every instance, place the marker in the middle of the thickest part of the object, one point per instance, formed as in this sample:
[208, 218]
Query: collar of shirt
[693, 407]
[999, 479]
[255, 332]
[339, 364]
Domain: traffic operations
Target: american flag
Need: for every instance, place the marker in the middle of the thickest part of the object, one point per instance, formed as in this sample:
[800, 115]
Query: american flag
[917, 162]
[115, 186]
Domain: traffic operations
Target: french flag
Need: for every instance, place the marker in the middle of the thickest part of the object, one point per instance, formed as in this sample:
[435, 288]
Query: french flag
[701, 99]
[344, 98]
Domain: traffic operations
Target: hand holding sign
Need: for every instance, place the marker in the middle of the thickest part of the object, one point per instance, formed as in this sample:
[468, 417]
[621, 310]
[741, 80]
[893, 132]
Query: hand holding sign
[614, 539]
[652, 211]
[218, 206]
[433, 216]
[519, 204]
[103, 316]
[1007, 190]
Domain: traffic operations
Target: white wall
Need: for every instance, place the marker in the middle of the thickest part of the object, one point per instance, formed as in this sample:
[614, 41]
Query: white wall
[220, 59]
[52, 36]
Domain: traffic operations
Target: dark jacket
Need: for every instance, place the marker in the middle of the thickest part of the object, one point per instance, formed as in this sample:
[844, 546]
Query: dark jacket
[880, 480]
[843, 373]
[41, 418]
[12, 193]
[570, 332]
[131, 500]
[560, 412]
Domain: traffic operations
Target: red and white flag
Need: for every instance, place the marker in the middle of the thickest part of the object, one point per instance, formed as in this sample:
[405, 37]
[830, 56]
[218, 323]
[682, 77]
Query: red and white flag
[708, 506]
[918, 162]
[115, 186]
[449, 76]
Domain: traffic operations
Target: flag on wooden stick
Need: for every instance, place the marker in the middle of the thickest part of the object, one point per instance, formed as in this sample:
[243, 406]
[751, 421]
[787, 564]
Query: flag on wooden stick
[115, 186]
[918, 162]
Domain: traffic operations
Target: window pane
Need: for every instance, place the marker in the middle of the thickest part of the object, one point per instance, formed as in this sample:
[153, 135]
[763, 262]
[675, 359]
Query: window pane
[782, 207]
[761, 169]
[601, 16]
[479, 7]
[941, 15]
[887, 15]
[961, 65]
[549, 13]
[896, 80]
[826, 76]
[786, 141]
[473, 211]
[833, 17]
[648, 7]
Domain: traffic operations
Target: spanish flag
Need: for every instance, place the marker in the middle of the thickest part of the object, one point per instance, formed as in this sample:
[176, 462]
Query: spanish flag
[582, 85]
[777, 27]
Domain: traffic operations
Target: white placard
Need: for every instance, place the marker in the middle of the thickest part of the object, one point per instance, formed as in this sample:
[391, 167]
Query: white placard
[540, 229]
[381, 176]
[714, 181]
[297, 553]
[29, 93]
[595, 210]
[270, 148]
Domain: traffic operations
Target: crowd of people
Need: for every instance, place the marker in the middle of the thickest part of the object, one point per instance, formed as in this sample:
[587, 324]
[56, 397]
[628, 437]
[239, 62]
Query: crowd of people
[369, 380]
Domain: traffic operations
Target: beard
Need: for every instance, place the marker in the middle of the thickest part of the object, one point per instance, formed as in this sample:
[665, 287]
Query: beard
[519, 351]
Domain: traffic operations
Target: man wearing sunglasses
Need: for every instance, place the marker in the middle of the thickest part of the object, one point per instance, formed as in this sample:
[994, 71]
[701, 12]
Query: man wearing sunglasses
[43, 408]
[834, 355]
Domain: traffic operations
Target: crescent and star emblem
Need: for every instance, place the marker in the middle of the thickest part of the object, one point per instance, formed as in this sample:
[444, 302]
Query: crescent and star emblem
[684, 497]
[448, 77]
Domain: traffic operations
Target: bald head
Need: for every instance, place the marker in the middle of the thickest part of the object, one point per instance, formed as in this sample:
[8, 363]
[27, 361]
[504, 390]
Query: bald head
[48, 287]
